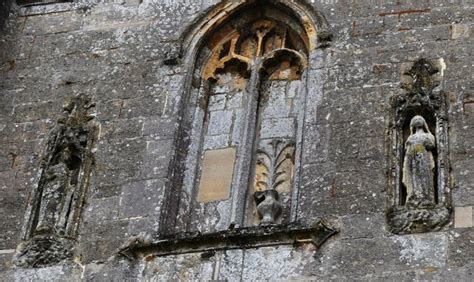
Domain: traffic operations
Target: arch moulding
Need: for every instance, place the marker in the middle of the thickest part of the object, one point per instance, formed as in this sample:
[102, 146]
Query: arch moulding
[194, 38]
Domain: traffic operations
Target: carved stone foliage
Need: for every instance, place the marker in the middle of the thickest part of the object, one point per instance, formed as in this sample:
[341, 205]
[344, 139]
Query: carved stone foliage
[55, 207]
[419, 191]
[274, 168]
[273, 175]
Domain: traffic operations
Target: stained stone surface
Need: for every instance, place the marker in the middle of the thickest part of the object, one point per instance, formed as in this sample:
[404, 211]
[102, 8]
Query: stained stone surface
[125, 56]
[463, 217]
[216, 179]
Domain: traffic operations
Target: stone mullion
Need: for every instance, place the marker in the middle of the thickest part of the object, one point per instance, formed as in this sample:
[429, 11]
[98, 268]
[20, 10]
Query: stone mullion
[245, 154]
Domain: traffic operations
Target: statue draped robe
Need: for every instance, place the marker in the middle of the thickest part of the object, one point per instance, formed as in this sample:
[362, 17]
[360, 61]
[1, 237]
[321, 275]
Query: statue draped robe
[419, 165]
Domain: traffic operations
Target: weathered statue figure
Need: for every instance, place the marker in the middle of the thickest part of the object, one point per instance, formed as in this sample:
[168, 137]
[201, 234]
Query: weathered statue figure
[419, 164]
[53, 198]
[54, 211]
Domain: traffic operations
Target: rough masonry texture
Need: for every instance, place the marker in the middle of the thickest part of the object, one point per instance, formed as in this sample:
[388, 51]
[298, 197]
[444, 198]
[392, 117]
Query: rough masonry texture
[236, 140]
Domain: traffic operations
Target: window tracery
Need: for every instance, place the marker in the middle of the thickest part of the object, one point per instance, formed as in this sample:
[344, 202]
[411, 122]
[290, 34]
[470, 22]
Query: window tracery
[242, 124]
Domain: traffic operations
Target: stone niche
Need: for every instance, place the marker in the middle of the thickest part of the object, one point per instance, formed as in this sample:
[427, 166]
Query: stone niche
[237, 161]
[419, 182]
[54, 207]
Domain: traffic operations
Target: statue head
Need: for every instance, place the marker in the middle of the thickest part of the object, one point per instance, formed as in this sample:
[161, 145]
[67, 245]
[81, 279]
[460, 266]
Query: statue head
[418, 122]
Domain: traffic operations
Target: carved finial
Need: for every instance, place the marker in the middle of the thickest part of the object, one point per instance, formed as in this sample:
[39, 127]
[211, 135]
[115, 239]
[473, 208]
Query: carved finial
[421, 72]
[268, 206]
[324, 38]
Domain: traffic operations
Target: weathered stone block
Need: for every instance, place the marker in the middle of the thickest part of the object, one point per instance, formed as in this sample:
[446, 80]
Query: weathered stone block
[141, 199]
[363, 226]
[220, 122]
[231, 263]
[216, 141]
[182, 267]
[159, 127]
[53, 23]
[274, 128]
[217, 102]
[286, 262]
[96, 242]
[462, 217]
[459, 31]
[6, 257]
[235, 101]
[99, 210]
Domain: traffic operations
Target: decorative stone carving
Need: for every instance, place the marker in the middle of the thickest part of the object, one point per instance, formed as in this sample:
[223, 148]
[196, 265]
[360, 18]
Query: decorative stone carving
[406, 220]
[324, 38]
[273, 173]
[419, 193]
[419, 165]
[54, 211]
[268, 206]
[274, 168]
[43, 250]
[260, 39]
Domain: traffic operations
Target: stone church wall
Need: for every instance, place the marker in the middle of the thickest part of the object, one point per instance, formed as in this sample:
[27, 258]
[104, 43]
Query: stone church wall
[125, 57]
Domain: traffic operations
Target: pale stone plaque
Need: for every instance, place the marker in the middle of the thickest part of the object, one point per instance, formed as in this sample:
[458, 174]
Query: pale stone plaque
[216, 177]
[462, 217]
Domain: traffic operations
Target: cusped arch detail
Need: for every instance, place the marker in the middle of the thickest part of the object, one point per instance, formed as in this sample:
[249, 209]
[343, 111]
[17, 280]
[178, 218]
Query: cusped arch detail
[314, 22]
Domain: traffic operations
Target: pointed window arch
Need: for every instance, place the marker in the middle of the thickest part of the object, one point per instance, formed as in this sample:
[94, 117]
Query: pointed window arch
[239, 143]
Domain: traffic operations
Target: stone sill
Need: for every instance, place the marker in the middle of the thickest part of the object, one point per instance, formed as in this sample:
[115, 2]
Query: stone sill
[241, 238]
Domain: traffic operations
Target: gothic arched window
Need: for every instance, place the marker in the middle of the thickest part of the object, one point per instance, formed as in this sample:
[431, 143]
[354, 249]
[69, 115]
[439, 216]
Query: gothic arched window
[241, 133]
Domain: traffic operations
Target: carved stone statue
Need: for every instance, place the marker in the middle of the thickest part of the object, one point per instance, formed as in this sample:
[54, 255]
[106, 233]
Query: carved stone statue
[419, 185]
[419, 164]
[52, 197]
[53, 213]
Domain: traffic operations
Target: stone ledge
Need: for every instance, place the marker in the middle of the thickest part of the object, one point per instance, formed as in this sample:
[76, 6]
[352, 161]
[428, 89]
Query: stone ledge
[240, 238]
